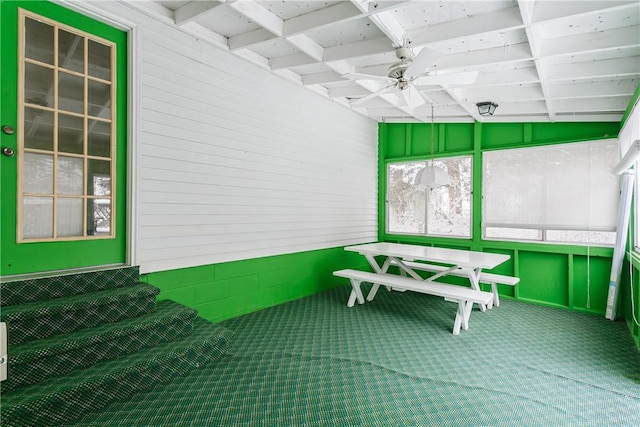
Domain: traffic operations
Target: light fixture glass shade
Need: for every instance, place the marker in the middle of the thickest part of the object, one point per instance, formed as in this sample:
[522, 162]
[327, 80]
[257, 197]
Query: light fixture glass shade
[486, 108]
[432, 177]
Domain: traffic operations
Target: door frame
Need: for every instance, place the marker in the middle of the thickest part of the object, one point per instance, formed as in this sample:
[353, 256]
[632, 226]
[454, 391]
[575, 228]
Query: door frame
[129, 222]
[134, 42]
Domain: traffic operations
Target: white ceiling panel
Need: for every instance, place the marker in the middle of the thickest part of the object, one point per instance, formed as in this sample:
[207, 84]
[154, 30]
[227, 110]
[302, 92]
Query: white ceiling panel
[540, 60]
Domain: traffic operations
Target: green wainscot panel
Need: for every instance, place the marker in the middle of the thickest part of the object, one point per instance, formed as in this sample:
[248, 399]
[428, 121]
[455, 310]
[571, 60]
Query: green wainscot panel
[544, 278]
[421, 139]
[395, 140]
[545, 133]
[497, 135]
[591, 283]
[225, 290]
[458, 137]
[507, 268]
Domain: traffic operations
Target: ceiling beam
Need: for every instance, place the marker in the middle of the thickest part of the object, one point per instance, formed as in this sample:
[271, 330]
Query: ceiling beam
[553, 10]
[526, 11]
[498, 55]
[594, 89]
[253, 37]
[619, 38]
[260, 15]
[335, 14]
[592, 105]
[502, 93]
[348, 91]
[322, 78]
[203, 33]
[194, 10]
[358, 49]
[339, 12]
[500, 20]
[617, 68]
[287, 61]
[305, 44]
[506, 77]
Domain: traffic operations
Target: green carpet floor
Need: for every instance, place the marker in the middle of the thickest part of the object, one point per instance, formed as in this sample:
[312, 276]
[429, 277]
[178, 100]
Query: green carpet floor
[394, 362]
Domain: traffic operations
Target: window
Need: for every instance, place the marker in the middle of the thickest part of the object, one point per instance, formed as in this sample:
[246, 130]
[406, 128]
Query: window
[66, 133]
[556, 193]
[444, 211]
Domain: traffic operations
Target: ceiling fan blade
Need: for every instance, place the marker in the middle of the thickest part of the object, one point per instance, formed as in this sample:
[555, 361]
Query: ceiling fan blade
[464, 78]
[360, 76]
[426, 60]
[412, 97]
[373, 95]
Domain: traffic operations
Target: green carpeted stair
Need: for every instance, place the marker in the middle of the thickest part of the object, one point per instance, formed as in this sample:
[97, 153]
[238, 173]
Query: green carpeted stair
[41, 319]
[94, 338]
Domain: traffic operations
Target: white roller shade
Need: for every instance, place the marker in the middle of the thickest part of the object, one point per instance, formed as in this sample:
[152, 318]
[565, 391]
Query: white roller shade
[558, 187]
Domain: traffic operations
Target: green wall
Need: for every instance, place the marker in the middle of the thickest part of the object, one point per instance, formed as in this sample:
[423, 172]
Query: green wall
[631, 307]
[226, 290]
[565, 276]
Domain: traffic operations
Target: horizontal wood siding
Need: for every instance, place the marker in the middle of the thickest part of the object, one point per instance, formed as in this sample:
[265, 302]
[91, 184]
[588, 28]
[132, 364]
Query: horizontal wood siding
[235, 163]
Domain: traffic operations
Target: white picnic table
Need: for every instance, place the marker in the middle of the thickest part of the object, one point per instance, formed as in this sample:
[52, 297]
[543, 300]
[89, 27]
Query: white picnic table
[409, 258]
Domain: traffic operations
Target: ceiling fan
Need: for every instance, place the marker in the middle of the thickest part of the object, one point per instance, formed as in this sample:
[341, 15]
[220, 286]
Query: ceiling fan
[409, 72]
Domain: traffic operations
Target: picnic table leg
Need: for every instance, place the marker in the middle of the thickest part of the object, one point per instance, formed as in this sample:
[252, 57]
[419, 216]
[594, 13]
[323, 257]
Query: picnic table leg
[462, 316]
[372, 292]
[459, 318]
[356, 293]
[474, 278]
[496, 299]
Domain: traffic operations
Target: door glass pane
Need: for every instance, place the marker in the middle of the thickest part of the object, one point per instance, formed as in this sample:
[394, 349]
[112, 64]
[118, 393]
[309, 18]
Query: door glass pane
[70, 51]
[66, 140]
[38, 41]
[38, 173]
[99, 99]
[99, 60]
[70, 134]
[99, 178]
[68, 217]
[69, 175]
[70, 92]
[38, 85]
[99, 136]
[37, 214]
[38, 129]
[98, 216]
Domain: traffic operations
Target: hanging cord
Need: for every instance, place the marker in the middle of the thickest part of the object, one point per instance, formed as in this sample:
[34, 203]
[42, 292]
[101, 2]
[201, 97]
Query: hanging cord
[432, 136]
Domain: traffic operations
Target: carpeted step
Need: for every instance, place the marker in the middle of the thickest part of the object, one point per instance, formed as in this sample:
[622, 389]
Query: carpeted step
[41, 319]
[63, 399]
[45, 288]
[35, 361]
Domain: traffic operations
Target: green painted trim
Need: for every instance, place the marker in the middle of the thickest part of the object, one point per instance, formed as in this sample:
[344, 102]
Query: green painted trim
[632, 103]
[570, 283]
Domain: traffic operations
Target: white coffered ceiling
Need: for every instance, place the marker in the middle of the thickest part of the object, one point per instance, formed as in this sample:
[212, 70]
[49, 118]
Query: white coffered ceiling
[539, 60]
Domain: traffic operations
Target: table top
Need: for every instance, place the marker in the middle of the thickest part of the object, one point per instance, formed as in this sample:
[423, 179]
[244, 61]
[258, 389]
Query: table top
[459, 257]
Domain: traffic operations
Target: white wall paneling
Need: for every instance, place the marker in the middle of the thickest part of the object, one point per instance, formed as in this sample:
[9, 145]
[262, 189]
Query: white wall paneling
[236, 163]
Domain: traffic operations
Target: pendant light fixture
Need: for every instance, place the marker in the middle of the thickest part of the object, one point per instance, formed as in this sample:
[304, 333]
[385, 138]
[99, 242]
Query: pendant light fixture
[432, 176]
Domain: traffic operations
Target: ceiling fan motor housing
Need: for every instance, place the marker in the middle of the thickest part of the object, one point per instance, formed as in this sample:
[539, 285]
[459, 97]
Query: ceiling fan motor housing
[396, 71]
[404, 53]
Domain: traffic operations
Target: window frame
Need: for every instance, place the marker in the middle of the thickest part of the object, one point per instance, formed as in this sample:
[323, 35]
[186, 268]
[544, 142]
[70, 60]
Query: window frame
[542, 231]
[387, 216]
